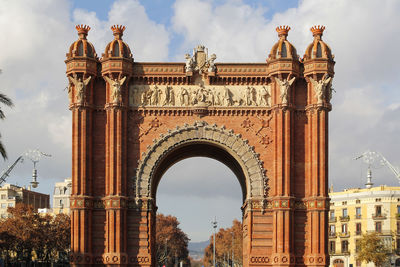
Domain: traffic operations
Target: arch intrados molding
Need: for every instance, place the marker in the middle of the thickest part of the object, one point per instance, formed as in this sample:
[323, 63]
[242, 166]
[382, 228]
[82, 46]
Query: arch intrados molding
[234, 144]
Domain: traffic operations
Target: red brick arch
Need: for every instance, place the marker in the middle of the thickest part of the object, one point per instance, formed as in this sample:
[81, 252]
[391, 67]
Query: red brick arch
[260, 119]
[207, 140]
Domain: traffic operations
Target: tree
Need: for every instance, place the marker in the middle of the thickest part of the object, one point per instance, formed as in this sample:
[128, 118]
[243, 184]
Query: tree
[372, 249]
[5, 101]
[171, 241]
[27, 235]
[225, 245]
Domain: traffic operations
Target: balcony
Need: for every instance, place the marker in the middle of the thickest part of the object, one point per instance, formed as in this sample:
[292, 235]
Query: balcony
[380, 216]
[344, 218]
[357, 216]
[344, 235]
[332, 235]
[358, 233]
[333, 219]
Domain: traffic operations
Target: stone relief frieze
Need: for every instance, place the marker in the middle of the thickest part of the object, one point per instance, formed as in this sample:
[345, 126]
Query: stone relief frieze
[199, 95]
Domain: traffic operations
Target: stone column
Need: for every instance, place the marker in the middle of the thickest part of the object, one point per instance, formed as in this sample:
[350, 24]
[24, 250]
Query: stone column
[116, 177]
[282, 200]
[317, 180]
[81, 195]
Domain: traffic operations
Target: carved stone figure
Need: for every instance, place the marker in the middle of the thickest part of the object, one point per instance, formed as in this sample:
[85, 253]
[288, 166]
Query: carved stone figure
[155, 96]
[80, 88]
[264, 96]
[218, 99]
[201, 95]
[211, 64]
[320, 88]
[169, 98]
[227, 97]
[249, 97]
[183, 97]
[189, 63]
[116, 88]
[284, 86]
[210, 98]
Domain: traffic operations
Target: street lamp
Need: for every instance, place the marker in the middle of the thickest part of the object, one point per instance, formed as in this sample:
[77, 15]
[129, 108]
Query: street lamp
[214, 225]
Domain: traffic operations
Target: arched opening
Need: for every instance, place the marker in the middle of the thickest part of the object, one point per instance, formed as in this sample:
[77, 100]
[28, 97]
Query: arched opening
[196, 191]
[199, 149]
[195, 222]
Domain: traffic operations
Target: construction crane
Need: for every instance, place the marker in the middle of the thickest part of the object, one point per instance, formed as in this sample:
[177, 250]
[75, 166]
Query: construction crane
[33, 155]
[370, 157]
[7, 171]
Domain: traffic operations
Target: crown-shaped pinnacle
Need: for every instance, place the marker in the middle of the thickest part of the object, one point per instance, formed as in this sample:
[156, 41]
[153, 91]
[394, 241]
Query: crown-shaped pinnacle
[118, 30]
[82, 30]
[283, 30]
[317, 30]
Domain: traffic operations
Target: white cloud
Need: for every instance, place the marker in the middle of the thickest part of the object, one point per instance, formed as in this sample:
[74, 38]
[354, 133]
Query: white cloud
[363, 36]
[38, 35]
[147, 40]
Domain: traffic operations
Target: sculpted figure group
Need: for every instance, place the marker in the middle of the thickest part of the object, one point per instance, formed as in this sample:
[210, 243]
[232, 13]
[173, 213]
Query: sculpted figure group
[251, 96]
[200, 96]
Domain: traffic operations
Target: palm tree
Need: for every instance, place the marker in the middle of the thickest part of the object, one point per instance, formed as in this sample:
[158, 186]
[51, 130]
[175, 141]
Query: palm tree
[5, 101]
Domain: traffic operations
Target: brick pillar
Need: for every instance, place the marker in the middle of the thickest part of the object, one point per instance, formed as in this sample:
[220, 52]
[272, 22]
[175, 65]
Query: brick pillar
[282, 200]
[317, 200]
[116, 180]
[81, 195]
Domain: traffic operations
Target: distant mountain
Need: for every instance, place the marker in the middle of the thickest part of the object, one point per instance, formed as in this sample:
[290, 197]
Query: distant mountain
[196, 249]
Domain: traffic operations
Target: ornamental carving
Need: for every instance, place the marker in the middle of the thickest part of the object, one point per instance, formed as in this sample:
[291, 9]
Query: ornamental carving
[80, 89]
[284, 86]
[199, 61]
[199, 95]
[252, 166]
[322, 88]
[263, 123]
[115, 86]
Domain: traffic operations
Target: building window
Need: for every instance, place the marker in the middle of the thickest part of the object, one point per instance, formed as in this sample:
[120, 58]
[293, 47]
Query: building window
[398, 227]
[345, 246]
[3, 205]
[332, 247]
[3, 215]
[358, 212]
[344, 228]
[344, 203]
[378, 227]
[358, 201]
[11, 204]
[332, 215]
[377, 200]
[332, 229]
[344, 213]
[3, 196]
[358, 228]
[378, 210]
[398, 210]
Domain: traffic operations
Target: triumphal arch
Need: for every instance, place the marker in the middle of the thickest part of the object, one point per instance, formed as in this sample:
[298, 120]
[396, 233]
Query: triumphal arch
[268, 122]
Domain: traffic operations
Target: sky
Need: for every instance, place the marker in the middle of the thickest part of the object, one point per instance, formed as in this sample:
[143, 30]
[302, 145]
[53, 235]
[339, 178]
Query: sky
[363, 34]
